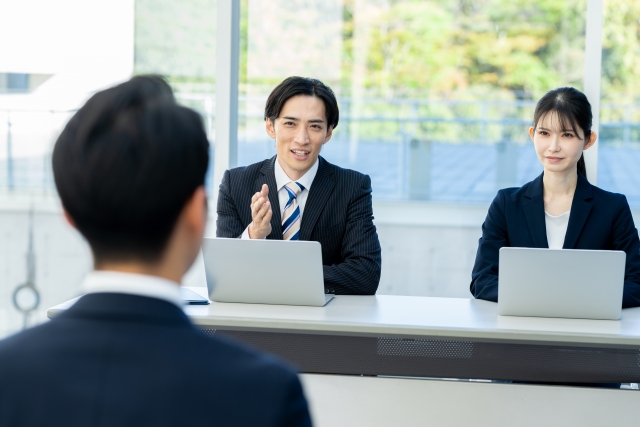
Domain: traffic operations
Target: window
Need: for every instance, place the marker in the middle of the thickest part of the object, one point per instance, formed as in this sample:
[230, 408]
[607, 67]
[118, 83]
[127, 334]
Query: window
[619, 142]
[178, 41]
[54, 56]
[436, 97]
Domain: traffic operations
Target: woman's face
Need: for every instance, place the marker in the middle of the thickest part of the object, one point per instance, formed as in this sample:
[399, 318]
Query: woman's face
[558, 148]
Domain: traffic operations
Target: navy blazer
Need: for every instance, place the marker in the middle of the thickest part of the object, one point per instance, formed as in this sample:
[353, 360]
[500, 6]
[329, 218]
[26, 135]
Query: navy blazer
[598, 220]
[338, 214]
[127, 360]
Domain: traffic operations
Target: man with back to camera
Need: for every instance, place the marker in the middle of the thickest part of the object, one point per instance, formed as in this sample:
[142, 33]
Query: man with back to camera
[298, 195]
[129, 168]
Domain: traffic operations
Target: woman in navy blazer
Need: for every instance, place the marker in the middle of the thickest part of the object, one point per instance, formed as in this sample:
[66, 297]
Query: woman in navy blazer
[532, 216]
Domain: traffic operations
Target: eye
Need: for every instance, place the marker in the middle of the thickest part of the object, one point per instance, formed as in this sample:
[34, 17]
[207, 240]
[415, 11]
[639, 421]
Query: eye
[542, 132]
[288, 123]
[567, 135]
[316, 126]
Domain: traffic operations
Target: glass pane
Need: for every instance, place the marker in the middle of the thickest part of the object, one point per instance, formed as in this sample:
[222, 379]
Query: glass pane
[619, 142]
[54, 56]
[46, 74]
[178, 40]
[436, 97]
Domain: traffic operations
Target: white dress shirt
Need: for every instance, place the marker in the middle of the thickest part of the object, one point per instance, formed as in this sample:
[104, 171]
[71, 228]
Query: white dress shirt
[132, 284]
[283, 196]
[556, 229]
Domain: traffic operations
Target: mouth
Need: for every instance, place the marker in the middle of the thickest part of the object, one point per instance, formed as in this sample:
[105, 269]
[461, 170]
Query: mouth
[300, 154]
[554, 159]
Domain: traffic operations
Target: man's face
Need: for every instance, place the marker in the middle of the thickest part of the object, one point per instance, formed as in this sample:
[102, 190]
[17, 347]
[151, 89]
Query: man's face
[300, 131]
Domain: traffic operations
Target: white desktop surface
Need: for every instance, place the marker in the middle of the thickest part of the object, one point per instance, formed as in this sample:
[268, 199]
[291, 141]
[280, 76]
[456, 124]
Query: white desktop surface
[413, 316]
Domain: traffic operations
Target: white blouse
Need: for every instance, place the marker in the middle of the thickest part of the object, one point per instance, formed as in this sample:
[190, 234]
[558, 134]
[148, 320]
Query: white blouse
[556, 229]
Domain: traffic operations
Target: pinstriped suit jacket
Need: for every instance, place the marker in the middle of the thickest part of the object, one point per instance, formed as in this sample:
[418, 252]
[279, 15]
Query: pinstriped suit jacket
[338, 214]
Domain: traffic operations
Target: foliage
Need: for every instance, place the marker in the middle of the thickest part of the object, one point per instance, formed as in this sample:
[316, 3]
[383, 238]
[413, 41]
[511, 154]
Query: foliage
[621, 48]
[178, 40]
[418, 48]
[522, 46]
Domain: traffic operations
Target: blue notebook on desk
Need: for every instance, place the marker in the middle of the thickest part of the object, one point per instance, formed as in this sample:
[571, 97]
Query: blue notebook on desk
[190, 297]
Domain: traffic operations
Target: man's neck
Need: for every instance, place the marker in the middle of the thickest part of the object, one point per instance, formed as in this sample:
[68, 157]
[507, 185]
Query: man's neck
[157, 270]
[292, 174]
[283, 176]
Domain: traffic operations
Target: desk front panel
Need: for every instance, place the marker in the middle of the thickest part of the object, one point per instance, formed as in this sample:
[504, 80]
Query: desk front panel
[443, 358]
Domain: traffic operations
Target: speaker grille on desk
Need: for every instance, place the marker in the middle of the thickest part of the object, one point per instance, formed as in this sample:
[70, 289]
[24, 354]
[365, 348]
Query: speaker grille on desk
[409, 347]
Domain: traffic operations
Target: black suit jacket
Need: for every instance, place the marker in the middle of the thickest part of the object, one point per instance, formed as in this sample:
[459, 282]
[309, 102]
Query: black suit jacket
[125, 360]
[338, 214]
[598, 220]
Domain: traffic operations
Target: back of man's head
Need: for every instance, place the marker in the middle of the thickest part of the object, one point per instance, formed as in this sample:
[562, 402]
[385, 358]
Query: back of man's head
[125, 166]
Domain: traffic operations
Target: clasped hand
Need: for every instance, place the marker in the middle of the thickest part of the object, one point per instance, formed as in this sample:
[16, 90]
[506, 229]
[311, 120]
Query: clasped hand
[261, 212]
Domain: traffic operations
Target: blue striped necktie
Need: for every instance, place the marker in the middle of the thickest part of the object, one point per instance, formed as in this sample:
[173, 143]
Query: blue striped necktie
[291, 214]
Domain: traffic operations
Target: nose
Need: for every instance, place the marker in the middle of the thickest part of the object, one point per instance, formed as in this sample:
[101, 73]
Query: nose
[555, 144]
[302, 136]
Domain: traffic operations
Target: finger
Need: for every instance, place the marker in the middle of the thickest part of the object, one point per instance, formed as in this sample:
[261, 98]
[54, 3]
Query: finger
[268, 215]
[256, 206]
[265, 191]
[255, 197]
[263, 212]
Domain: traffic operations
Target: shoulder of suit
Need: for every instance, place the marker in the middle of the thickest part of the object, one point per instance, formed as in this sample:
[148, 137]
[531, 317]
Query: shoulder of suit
[344, 173]
[512, 193]
[608, 197]
[247, 170]
[516, 193]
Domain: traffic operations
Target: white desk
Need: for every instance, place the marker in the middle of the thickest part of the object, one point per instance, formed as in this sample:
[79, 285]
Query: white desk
[387, 315]
[371, 337]
[430, 337]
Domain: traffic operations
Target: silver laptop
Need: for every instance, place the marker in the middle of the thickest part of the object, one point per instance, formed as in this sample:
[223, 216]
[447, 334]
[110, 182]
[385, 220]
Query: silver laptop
[561, 283]
[264, 271]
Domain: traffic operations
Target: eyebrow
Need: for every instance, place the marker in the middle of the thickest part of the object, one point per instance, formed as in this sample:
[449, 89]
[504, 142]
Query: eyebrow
[562, 130]
[297, 119]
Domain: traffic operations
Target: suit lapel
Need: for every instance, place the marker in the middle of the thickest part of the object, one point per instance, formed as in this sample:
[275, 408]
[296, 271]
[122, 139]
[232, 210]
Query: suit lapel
[321, 189]
[580, 210]
[269, 177]
[534, 213]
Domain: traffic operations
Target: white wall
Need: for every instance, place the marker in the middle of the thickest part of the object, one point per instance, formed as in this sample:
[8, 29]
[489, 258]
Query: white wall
[62, 257]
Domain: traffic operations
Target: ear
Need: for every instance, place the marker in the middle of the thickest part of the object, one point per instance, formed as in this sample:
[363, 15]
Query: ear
[195, 212]
[271, 130]
[329, 135]
[592, 140]
[68, 218]
[531, 130]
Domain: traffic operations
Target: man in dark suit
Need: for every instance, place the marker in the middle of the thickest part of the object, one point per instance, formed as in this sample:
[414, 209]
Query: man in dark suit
[129, 168]
[298, 195]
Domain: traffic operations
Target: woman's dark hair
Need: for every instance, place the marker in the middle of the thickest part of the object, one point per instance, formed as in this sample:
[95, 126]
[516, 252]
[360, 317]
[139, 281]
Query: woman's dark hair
[293, 86]
[573, 110]
[125, 166]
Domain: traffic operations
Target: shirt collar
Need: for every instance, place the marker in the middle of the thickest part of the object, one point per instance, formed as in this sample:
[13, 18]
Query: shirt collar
[132, 284]
[282, 179]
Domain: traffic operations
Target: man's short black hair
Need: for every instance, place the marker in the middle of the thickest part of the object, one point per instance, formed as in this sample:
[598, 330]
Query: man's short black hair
[293, 86]
[126, 164]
